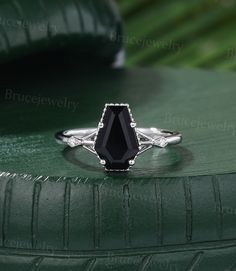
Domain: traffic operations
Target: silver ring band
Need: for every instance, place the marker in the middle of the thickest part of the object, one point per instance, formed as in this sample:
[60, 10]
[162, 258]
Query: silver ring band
[117, 141]
[80, 137]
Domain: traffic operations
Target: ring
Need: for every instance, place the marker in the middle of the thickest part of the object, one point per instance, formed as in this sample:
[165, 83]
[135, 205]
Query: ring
[117, 141]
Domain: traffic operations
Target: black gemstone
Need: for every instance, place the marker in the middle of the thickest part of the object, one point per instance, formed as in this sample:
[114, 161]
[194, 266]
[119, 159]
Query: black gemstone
[117, 142]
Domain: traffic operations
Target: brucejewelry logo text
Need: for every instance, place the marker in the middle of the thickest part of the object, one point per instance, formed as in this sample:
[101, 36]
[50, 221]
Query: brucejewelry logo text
[27, 24]
[61, 103]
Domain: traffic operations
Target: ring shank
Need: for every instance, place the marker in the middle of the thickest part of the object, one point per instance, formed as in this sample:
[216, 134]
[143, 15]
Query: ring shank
[172, 138]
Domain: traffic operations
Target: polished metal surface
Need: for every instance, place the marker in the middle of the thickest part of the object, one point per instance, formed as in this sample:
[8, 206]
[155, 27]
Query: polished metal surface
[147, 137]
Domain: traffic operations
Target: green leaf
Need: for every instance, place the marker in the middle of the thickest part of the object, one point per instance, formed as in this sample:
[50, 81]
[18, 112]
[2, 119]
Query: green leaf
[79, 28]
[175, 210]
[192, 26]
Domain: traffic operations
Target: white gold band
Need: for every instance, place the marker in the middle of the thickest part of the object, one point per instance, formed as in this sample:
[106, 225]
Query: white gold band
[148, 137]
[117, 141]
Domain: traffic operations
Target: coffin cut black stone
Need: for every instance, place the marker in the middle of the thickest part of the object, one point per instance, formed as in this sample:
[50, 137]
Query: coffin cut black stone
[117, 141]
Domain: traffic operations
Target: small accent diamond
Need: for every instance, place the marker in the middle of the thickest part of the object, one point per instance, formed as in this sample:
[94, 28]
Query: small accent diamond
[160, 142]
[73, 142]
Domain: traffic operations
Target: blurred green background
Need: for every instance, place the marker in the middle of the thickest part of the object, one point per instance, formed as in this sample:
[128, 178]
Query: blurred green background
[180, 33]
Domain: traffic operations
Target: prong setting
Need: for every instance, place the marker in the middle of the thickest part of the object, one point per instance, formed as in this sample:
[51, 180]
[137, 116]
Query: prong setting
[131, 162]
[110, 153]
[133, 124]
[103, 162]
[100, 125]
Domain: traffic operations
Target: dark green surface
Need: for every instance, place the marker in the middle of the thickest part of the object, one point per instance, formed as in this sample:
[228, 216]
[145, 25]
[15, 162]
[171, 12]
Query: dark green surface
[64, 213]
[197, 103]
[58, 209]
[88, 224]
[78, 27]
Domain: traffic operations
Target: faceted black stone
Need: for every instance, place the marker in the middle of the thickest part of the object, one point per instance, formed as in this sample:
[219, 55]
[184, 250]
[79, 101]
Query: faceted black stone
[117, 142]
